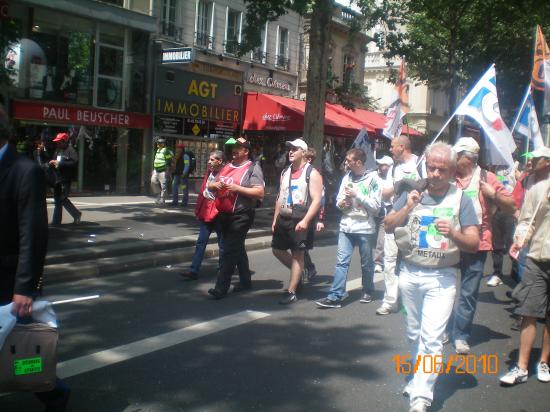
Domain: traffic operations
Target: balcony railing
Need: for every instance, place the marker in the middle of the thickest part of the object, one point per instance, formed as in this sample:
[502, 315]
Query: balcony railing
[231, 47]
[282, 62]
[259, 56]
[169, 29]
[204, 41]
[377, 60]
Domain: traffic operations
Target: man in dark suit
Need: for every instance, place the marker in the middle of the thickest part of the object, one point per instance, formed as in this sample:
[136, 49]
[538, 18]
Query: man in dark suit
[23, 239]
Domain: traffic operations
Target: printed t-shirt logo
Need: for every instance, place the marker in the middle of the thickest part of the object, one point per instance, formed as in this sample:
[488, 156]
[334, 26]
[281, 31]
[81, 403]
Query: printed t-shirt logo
[429, 236]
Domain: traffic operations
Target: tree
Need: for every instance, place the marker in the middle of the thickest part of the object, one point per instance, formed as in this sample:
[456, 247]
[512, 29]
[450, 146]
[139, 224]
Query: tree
[319, 14]
[9, 35]
[448, 44]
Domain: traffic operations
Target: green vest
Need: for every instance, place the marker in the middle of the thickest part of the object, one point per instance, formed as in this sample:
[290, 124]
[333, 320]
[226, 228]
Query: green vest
[419, 241]
[21, 147]
[162, 158]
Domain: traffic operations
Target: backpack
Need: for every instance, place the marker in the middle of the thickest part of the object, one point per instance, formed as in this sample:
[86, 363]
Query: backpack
[192, 161]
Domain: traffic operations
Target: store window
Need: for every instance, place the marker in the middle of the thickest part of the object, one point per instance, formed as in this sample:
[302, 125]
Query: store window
[110, 70]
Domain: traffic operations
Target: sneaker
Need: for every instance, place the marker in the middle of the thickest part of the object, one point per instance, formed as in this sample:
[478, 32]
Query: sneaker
[189, 275]
[494, 281]
[366, 298]
[289, 298]
[385, 310]
[328, 303]
[543, 372]
[462, 347]
[419, 405]
[445, 338]
[310, 273]
[514, 376]
[216, 294]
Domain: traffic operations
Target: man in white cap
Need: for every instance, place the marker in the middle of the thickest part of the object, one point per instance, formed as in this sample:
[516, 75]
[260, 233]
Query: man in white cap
[296, 208]
[485, 191]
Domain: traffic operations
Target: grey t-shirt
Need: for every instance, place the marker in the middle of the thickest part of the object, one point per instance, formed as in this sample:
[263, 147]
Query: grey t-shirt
[254, 179]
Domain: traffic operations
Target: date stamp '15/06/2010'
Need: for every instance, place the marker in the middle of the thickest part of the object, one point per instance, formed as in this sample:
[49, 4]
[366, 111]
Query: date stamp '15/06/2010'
[463, 364]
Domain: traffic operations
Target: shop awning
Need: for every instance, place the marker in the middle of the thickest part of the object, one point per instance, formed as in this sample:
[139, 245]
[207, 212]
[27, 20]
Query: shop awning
[370, 120]
[265, 112]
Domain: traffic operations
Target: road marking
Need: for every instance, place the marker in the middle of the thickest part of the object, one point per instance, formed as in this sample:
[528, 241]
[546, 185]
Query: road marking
[126, 352]
[58, 302]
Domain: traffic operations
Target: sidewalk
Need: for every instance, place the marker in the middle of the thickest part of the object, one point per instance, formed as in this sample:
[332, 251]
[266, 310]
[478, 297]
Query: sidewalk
[120, 233]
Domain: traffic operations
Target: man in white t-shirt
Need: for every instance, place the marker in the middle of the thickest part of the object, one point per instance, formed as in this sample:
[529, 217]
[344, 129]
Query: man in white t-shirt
[384, 165]
[404, 168]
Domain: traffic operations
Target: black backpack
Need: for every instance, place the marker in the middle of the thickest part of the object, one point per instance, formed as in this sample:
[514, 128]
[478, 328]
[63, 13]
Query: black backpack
[192, 161]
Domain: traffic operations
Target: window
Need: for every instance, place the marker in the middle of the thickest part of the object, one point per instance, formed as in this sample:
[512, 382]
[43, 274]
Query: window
[233, 32]
[281, 59]
[110, 67]
[204, 25]
[347, 71]
[168, 17]
[259, 54]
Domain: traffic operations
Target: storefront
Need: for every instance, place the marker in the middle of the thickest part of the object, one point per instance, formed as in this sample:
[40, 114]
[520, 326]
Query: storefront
[199, 105]
[109, 143]
[73, 72]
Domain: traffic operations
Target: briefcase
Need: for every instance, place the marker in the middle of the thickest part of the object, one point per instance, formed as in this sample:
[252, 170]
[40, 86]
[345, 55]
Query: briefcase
[28, 358]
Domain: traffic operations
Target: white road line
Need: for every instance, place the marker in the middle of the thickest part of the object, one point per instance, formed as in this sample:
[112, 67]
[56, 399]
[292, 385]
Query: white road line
[58, 302]
[123, 353]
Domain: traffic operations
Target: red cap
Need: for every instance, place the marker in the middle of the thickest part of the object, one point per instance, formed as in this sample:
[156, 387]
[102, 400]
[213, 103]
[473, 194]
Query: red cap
[180, 145]
[61, 137]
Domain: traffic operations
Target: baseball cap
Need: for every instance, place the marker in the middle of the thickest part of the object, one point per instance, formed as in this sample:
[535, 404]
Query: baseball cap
[180, 146]
[385, 160]
[466, 144]
[542, 151]
[241, 141]
[161, 140]
[61, 137]
[297, 143]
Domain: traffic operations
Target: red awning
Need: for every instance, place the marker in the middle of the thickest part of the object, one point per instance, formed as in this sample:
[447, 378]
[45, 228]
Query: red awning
[266, 112]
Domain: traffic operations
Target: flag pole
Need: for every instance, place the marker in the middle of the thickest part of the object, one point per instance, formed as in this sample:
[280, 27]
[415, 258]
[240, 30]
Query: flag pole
[438, 134]
[521, 109]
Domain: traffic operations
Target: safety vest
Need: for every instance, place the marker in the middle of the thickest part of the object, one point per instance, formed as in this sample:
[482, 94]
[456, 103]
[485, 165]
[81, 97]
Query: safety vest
[21, 147]
[299, 190]
[419, 241]
[162, 159]
[473, 190]
[225, 200]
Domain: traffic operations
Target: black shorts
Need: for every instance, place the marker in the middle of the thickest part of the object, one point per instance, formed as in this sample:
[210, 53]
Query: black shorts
[285, 236]
[532, 292]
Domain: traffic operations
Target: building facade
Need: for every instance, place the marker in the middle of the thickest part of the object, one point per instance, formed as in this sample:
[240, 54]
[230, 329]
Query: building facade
[82, 67]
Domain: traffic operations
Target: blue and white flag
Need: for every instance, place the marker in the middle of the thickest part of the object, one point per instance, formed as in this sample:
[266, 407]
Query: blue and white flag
[528, 124]
[481, 104]
[363, 142]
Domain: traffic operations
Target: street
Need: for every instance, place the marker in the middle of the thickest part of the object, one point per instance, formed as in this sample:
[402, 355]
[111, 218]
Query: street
[154, 342]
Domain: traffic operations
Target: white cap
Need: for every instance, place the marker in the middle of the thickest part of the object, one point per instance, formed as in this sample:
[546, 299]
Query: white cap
[298, 143]
[466, 144]
[542, 151]
[385, 160]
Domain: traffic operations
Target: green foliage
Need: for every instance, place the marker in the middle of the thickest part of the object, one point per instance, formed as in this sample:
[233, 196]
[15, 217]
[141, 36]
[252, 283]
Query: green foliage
[450, 43]
[9, 34]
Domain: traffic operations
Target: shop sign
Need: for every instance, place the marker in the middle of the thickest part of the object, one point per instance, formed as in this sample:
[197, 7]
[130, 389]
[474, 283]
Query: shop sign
[57, 113]
[219, 130]
[195, 127]
[4, 10]
[270, 82]
[178, 55]
[170, 125]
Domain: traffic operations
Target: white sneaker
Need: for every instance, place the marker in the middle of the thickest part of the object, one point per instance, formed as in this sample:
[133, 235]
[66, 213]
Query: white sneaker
[419, 405]
[385, 310]
[378, 269]
[515, 375]
[462, 347]
[494, 280]
[543, 372]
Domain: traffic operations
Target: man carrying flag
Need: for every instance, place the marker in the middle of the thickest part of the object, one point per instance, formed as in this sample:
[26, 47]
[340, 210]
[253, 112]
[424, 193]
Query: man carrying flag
[399, 107]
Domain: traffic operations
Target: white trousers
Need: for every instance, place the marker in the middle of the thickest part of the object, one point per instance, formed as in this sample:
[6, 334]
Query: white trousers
[428, 301]
[390, 280]
[158, 184]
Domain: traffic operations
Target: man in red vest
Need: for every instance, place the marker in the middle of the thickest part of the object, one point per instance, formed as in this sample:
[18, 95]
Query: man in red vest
[237, 188]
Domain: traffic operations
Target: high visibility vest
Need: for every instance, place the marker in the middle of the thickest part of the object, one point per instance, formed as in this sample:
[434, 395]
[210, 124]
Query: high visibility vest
[419, 241]
[162, 158]
[21, 147]
[225, 200]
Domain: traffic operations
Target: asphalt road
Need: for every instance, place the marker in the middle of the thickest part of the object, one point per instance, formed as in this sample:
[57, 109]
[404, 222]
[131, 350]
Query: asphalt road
[154, 342]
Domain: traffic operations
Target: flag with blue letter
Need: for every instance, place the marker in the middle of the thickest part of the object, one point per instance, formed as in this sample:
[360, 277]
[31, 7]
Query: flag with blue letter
[528, 125]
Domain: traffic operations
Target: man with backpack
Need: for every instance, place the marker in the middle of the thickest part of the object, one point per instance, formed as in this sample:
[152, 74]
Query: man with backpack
[296, 208]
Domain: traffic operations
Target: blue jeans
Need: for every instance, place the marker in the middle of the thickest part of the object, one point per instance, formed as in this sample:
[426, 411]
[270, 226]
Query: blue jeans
[205, 229]
[471, 268]
[177, 181]
[346, 243]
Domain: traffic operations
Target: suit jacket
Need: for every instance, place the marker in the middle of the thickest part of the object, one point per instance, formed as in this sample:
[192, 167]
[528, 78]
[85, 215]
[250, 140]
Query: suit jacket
[24, 225]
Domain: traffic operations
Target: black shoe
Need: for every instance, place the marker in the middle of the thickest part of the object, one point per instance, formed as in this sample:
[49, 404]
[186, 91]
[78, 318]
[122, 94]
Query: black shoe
[328, 303]
[311, 273]
[59, 404]
[239, 287]
[216, 294]
[366, 298]
[189, 275]
[76, 220]
[289, 298]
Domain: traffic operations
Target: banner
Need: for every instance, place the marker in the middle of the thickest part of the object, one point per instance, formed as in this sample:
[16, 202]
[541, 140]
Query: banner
[540, 79]
[481, 104]
[528, 125]
[399, 107]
